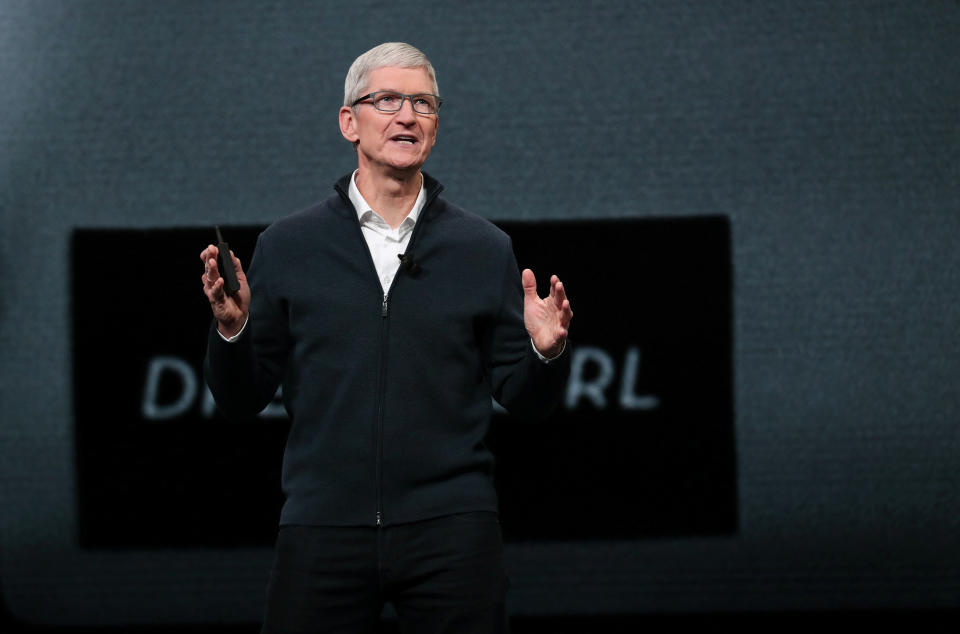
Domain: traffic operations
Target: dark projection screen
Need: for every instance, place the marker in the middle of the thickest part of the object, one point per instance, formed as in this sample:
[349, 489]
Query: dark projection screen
[757, 206]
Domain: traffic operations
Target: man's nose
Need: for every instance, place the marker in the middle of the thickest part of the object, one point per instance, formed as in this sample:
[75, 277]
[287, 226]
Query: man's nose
[406, 109]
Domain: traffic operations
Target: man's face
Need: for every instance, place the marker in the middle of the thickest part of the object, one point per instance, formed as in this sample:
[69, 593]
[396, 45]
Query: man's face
[401, 140]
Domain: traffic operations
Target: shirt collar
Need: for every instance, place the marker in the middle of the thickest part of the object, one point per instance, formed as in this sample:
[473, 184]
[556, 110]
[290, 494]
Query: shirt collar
[363, 208]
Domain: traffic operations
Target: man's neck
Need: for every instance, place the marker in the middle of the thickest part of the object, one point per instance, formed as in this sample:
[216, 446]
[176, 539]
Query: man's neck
[391, 196]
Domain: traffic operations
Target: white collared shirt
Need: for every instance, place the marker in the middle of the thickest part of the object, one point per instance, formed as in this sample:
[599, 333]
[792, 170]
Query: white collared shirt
[384, 242]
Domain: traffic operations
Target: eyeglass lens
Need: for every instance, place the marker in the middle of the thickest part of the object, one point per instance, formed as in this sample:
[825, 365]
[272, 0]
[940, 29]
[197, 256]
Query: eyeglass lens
[392, 102]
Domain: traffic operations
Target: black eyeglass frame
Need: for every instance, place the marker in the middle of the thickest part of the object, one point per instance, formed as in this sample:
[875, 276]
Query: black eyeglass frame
[373, 101]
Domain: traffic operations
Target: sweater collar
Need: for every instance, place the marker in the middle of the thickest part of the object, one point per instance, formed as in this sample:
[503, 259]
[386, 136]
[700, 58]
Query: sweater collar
[363, 208]
[431, 186]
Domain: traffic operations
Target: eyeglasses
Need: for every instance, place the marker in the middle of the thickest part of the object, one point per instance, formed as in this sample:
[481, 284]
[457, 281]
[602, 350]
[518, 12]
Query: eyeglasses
[386, 101]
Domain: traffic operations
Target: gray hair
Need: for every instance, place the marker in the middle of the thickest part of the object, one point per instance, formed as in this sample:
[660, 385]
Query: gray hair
[389, 54]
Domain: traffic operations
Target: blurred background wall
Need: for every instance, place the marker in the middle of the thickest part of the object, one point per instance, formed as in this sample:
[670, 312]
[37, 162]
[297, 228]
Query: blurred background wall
[826, 132]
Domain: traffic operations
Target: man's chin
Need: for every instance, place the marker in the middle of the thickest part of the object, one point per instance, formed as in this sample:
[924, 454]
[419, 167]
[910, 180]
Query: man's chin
[408, 165]
[399, 165]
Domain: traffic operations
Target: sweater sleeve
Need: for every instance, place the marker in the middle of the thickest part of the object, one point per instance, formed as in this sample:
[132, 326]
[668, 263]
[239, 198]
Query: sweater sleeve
[243, 375]
[520, 380]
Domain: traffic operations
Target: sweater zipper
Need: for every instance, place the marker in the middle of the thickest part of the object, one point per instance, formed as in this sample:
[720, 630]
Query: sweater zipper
[384, 313]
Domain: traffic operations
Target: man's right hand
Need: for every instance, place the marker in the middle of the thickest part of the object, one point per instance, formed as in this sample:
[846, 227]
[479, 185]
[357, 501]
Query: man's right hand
[230, 311]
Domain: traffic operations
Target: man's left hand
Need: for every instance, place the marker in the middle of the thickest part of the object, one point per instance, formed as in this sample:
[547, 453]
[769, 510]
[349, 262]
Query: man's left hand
[548, 319]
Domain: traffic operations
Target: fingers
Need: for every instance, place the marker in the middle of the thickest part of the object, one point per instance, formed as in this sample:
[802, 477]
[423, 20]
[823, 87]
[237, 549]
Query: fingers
[212, 282]
[210, 252]
[213, 290]
[211, 278]
[559, 296]
[210, 263]
[209, 258]
[212, 270]
[529, 284]
[219, 295]
[556, 291]
[566, 315]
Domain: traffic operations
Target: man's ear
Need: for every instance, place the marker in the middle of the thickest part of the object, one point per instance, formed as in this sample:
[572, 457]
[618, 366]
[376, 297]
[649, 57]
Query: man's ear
[436, 127]
[348, 124]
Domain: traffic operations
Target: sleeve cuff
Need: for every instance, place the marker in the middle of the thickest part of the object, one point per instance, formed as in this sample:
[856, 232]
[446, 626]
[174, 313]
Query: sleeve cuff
[537, 352]
[244, 326]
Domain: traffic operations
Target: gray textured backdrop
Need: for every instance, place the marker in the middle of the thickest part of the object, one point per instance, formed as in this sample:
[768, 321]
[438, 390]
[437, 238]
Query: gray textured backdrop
[826, 131]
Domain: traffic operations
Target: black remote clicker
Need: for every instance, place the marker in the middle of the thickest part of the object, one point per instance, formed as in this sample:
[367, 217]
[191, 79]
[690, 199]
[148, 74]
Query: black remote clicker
[225, 263]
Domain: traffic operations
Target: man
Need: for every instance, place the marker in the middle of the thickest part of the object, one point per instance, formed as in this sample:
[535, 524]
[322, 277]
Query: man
[390, 317]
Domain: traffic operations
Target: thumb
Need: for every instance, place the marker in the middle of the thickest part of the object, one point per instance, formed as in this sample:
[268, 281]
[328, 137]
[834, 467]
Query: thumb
[529, 284]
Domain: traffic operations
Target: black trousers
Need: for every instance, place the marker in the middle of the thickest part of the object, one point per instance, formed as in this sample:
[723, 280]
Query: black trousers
[441, 575]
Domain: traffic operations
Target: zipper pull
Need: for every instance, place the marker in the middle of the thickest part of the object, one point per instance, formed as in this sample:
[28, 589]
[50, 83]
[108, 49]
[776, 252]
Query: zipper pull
[379, 518]
[383, 308]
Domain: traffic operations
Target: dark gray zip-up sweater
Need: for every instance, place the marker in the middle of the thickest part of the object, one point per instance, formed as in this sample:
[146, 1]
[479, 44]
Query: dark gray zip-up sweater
[389, 398]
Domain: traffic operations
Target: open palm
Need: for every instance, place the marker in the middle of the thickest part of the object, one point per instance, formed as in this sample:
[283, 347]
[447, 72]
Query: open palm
[547, 319]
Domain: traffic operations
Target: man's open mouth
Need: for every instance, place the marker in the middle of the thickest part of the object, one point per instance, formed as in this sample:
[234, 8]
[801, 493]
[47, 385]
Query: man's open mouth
[402, 138]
